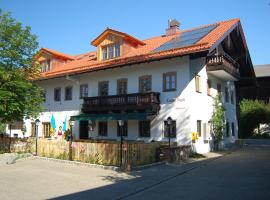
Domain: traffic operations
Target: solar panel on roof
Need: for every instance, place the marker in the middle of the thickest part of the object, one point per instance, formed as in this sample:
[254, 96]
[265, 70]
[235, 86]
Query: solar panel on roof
[186, 38]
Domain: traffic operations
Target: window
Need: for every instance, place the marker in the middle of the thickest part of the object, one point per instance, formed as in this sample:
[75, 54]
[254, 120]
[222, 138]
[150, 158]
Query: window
[110, 51]
[124, 129]
[46, 129]
[83, 90]
[57, 94]
[45, 65]
[199, 127]
[232, 97]
[233, 133]
[169, 81]
[227, 129]
[198, 83]
[219, 88]
[226, 94]
[103, 128]
[68, 93]
[144, 128]
[17, 125]
[103, 88]
[33, 129]
[122, 86]
[209, 86]
[145, 83]
[172, 131]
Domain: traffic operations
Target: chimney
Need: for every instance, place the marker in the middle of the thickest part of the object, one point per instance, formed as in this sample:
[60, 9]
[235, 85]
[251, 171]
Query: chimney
[173, 27]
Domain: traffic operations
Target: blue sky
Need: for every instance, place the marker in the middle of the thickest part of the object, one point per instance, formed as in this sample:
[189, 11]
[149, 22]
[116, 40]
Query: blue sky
[70, 25]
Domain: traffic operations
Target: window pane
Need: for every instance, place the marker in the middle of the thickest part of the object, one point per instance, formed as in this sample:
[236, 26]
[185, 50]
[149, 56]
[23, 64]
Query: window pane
[103, 88]
[233, 134]
[199, 127]
[110, 51]
[102, 128]
[68, 93]
[227, 129]
[198, 83]
[226, 94]
[104, 53]
[144, 128]
[57, 94]
[83, 91]
[173, 81]
[117, 50]
[232, 97]
[122, 86]
[170, 129]
[219, 88]
[145, 84]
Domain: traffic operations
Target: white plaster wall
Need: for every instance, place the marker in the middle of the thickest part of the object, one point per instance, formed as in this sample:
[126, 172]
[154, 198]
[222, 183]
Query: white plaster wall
[201, 105]
[185, 105]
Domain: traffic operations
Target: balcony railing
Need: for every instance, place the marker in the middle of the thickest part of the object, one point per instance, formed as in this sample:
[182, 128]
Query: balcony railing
[223, 62]
[148, 102]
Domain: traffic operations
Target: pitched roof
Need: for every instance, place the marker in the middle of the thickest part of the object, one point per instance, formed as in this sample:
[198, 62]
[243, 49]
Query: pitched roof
[95, 42]
[88, 62]
[57, 53]
[262, 70]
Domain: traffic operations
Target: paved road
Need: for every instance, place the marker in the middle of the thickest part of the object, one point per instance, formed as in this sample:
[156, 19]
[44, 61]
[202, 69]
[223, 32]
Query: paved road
[244, 174]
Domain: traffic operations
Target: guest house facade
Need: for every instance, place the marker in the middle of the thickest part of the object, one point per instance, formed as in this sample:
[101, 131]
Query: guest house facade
[143, 82]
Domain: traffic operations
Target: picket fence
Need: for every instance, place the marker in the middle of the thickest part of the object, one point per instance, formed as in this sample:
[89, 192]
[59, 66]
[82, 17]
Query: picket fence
[96, 152]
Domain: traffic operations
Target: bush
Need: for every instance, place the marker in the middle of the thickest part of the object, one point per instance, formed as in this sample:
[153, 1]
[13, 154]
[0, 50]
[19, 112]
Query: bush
[252, 114]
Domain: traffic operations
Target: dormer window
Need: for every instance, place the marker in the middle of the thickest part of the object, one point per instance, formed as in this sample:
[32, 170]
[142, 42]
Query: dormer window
[110, 51]
[45, 65]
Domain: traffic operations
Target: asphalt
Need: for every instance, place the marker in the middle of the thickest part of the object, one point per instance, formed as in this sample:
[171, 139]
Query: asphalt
[242, 174]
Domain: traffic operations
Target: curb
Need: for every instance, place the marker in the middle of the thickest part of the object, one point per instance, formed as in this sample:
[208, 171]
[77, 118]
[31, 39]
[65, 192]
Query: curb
[78, 163]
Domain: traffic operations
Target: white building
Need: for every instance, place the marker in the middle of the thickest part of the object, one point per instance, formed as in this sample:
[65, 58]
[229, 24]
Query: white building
[175, 75]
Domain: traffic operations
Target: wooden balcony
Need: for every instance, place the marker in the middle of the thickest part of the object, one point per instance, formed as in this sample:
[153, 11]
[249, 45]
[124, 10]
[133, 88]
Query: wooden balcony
[136, 102]
[223, 66]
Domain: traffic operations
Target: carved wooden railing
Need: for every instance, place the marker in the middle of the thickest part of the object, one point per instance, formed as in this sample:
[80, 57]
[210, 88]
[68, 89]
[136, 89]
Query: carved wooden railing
[123, 102]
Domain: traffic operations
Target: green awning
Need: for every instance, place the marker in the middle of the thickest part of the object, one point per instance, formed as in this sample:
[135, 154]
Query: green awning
[110, 116]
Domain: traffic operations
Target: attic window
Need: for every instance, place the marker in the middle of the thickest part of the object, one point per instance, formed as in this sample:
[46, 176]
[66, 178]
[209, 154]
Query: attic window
[110, 51]
[45, 65]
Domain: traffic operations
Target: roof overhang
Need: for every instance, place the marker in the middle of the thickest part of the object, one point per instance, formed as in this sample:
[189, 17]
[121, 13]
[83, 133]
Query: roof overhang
[110, 116]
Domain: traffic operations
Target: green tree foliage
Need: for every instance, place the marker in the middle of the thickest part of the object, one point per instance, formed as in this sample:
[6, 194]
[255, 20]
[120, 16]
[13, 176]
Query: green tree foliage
[19, 95]
[252, 114]
[2, 128]
[218, 117]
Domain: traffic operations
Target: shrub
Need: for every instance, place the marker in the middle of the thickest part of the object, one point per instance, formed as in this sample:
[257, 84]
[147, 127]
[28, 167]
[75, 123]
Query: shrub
[252, 114]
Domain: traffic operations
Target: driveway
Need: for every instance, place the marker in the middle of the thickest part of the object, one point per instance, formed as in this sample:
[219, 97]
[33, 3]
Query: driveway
[243, 174]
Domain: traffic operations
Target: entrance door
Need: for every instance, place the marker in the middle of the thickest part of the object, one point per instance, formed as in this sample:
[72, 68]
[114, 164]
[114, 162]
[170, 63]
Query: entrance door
[83, 129]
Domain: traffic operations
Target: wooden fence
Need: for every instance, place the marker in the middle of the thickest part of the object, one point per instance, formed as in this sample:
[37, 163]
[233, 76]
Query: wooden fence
[104, 153]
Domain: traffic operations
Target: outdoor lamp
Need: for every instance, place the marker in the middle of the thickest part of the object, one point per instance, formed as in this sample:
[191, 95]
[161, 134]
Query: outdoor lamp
[169, 120]
[121, 122]
[37, 122]
[71, 123]
[91, 125]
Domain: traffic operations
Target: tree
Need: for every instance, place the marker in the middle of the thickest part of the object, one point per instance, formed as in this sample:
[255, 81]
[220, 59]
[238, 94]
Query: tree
[20, 96]
[252, 114]
[218, 120]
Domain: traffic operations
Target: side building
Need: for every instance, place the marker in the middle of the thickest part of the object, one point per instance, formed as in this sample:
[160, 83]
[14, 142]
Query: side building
[144, 82]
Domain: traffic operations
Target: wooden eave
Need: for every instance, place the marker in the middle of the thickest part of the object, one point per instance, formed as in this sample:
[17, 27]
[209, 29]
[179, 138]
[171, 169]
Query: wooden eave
[125, 36]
